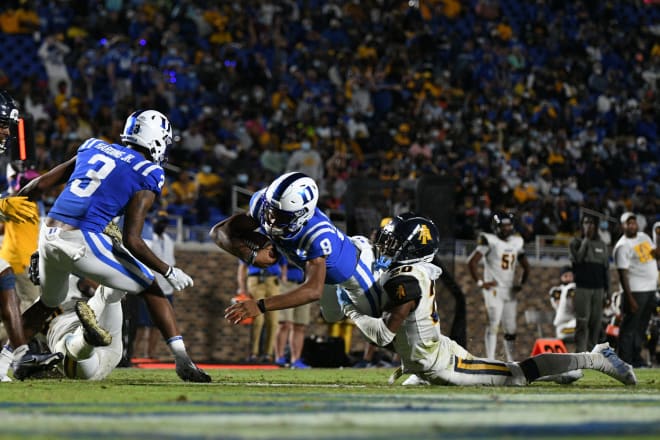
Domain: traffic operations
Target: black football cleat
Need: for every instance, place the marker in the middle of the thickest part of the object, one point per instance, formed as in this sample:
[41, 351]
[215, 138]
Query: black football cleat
[33, 363]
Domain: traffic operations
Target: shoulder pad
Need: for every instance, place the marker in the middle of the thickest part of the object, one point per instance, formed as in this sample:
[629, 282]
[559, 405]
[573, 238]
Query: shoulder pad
[402, 289]
[483, 240]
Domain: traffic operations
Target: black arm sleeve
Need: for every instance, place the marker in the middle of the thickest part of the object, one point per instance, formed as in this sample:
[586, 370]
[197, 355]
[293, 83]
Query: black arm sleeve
[402, 289]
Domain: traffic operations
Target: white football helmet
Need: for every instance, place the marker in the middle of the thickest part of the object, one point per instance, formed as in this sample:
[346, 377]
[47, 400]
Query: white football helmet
[149, 129]
[289, 203]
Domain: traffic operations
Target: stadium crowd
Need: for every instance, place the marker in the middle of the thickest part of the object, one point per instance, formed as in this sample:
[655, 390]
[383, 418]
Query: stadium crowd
[541, 107]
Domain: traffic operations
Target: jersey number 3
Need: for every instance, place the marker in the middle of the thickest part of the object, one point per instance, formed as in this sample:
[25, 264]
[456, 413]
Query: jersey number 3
[95, 176]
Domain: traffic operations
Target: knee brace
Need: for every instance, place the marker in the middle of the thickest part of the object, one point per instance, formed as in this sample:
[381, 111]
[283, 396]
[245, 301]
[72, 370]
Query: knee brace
[509, 336]
[8, 281]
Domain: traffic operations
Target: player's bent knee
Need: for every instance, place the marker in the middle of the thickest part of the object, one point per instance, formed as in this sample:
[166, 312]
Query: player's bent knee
[111, 296]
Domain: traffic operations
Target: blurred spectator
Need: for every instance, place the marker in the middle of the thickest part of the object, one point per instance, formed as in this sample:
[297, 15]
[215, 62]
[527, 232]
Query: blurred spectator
[535, 106]
[52, 53]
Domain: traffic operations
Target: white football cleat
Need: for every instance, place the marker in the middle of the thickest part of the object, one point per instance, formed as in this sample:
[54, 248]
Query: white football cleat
[415, 380]
[614, 366]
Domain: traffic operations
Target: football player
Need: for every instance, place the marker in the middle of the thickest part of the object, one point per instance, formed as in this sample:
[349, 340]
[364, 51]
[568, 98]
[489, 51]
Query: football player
[501, 251]
[409, 322]
[286, 213]
[19, 210]
[104, 181]
[561, 299]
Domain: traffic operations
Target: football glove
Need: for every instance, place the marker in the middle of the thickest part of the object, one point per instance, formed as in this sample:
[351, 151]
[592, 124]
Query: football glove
[178, 278]
[18, 210]
[112, 229]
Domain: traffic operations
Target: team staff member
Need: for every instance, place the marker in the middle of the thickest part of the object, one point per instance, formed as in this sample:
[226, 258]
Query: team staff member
[635, 256]
[590, 258]
[259, 284]
[293, 323]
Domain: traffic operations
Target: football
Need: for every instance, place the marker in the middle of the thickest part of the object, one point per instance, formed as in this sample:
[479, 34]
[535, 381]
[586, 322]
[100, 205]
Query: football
[254, 239]
[266, 253]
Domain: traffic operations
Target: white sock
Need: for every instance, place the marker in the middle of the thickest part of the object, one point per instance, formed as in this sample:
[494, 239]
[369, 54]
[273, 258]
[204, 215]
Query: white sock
[86, 368]
[177, 347]
[491, 343]
[509, 350]
[97, 303]
[6, 358]
[77, 347]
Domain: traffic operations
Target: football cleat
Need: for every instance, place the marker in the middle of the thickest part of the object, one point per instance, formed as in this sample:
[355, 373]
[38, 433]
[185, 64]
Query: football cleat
[189, 372]
[415, 380]
[396, 374]
[32, 363]
[614, 366]
[93, 333]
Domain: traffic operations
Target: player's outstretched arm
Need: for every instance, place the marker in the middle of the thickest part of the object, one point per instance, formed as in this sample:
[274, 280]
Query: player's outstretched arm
[56, 176]
[307, 292]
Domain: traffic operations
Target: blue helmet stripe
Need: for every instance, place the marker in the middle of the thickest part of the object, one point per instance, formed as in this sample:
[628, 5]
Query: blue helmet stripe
[284, 184]
[134, 116]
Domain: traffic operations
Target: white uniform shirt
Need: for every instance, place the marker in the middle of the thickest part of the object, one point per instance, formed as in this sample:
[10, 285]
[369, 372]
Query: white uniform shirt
[418, 340]
[635, 255]
[500, 257]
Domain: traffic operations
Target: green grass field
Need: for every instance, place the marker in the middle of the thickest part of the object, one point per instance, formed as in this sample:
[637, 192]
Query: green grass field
[323, 404]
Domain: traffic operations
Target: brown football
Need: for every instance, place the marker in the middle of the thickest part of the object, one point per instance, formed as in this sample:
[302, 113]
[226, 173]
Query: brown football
[254, 239]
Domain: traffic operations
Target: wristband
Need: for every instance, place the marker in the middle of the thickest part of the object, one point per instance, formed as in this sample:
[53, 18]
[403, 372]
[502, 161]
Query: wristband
[261, 305]
[169, 271]
[251, 257]
[480, 283]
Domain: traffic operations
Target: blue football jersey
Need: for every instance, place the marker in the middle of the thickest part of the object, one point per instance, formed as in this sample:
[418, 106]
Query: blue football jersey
[318, 238]
[105, 178]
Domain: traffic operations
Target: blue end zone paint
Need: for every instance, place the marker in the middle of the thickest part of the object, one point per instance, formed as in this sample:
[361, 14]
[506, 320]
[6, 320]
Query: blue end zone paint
[399, 415]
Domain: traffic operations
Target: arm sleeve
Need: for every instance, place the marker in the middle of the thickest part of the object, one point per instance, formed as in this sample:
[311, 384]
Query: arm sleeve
[373, 328]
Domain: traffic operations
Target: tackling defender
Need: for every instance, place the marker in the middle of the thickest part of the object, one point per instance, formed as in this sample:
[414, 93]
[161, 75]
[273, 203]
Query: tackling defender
[286, 213]
[104, 181]
[501, 252]
[409, 322]
[90, 349]
[19, 210]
